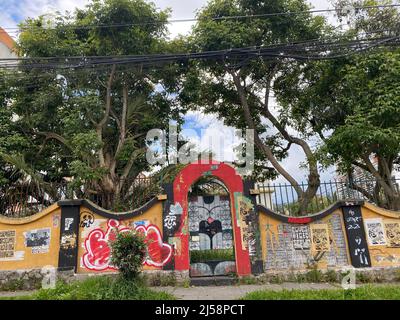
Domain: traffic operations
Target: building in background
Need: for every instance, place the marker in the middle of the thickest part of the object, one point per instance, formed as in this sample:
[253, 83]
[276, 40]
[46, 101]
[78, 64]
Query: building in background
[7, 45]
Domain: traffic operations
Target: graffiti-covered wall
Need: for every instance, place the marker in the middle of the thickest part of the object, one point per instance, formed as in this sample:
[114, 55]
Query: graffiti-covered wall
[96, 230]
[75, 234]
[382, 230]
[290, 243]
[31, 242]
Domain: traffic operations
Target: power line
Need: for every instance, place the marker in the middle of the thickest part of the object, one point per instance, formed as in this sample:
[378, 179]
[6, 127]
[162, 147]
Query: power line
[237, 17]
[303, 51]
[289, 44]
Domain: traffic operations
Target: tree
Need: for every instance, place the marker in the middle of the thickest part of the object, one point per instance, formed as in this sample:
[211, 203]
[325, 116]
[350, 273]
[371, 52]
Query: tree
[352, 104]
[239, 91]
[90, 123]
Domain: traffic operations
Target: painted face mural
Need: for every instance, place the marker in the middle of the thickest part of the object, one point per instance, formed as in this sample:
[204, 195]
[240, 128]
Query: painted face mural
[97, 256]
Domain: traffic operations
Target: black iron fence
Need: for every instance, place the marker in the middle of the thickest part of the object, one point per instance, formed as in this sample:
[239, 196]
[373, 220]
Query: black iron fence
[25, 199]
[282, 198]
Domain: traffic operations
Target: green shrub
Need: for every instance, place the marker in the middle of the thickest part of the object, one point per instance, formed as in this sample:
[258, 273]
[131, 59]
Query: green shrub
[162, 280]
[248, 280]
[397, 275]
[212, 255]
[12, 285]
[276, 279]
[331, 276]
[363, 277]
[314, 275]
[127, 253]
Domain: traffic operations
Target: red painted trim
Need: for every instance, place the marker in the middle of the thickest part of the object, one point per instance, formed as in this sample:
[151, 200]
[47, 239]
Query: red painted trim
[186, 178]
[299, 220]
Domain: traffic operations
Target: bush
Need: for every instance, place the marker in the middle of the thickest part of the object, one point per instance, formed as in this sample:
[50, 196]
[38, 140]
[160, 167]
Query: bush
[212, 255]
[331, 276]
[128, 251]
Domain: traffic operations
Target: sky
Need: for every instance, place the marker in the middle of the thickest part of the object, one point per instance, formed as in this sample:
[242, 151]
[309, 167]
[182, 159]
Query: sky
[205, 126]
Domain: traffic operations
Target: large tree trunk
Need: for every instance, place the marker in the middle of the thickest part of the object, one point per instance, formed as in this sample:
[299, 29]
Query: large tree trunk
[304, 197]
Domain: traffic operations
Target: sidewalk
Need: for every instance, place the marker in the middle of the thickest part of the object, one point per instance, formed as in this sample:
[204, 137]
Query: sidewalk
[236, 292]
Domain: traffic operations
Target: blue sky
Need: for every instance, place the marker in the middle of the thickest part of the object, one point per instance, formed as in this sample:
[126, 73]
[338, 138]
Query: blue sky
[204, 126]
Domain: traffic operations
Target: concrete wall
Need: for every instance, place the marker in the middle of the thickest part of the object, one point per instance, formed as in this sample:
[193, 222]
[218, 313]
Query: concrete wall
[30, 242]
[74, 235]
[382, 228]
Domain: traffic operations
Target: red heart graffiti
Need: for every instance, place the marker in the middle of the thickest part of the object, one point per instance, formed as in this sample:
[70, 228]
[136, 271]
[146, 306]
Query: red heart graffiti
[158, 253]
[98, 252]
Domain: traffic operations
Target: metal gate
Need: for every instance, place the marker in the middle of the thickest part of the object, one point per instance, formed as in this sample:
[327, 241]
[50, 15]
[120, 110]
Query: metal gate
[211, 236]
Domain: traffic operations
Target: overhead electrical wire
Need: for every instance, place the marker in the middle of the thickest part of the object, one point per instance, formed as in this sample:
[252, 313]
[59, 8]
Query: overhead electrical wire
[302, 51]
[236, 17]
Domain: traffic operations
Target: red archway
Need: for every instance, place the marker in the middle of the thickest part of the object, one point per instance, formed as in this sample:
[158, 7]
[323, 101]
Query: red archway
[188, 176]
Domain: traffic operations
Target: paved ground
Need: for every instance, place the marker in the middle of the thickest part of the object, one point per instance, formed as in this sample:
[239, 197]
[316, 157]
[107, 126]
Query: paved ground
[236, 292]
[16, 293]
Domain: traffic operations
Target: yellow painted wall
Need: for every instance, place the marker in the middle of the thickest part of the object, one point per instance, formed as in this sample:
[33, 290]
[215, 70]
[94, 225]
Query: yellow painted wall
[382, 255]
[24, 258]
[153, 216]
[269, 227]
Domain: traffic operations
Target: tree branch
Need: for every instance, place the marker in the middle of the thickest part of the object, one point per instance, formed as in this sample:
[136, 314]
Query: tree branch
[267, 150]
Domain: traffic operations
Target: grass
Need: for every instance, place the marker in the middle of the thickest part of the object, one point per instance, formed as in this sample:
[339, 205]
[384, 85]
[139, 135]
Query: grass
[367, 292]
[97, 288]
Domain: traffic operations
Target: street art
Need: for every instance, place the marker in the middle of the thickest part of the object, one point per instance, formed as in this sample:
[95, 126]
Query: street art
[358, 247]
[158, 253]
[87, 219]
[98, 251]
[293, 246]
[7, 244]
[68, 241]
[244, 211]
[320, 238]
[375, 232]
[210, 224]
[75, 235]
[38, 240]
[392, 229]
[301, 238]
[56, 220]
[170, 220]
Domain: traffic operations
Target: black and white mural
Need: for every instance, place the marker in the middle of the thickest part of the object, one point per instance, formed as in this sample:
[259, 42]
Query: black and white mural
[211, 233]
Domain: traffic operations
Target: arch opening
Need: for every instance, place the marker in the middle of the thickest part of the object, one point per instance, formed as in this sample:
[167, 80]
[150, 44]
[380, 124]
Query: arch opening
[211, 240]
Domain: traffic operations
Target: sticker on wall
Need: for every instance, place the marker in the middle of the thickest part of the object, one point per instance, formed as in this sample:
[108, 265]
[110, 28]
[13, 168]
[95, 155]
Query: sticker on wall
[87, 219]
[56, 220]
[301, 237]
[319, 238]
[7, 244]
[171, 219]
[68, 223]
[144, 223]
[392, 228]
[38, 240]
[375, 232]
[68, 241]
[243, 211]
